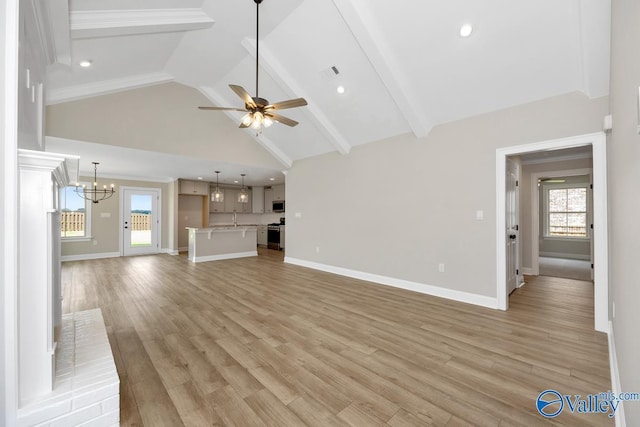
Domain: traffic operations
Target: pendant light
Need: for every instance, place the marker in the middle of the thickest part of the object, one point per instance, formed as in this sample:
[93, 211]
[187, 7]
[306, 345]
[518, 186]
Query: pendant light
[243, 196]
[94, 194]
[217, 195]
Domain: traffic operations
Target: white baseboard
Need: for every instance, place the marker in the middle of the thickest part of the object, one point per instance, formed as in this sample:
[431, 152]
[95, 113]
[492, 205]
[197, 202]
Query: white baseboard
[183, 249]
[527, 271]
[83, 257]
[615, 377]
[422, 288]
[224, 256]
[565, 256]
[170, 251]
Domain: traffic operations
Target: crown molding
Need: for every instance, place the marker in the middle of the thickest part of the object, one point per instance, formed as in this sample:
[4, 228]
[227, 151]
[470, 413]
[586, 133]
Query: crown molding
[107, 23]
[87, 90]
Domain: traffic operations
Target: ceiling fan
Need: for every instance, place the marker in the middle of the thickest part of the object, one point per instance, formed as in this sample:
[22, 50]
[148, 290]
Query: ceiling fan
[259, 111]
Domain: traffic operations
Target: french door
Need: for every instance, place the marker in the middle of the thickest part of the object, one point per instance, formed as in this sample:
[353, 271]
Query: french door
[140, 221]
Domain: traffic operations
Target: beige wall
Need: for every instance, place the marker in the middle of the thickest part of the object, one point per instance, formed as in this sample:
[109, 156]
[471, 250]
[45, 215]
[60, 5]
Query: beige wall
[106, 231]
[144, 119]
[527, 170]
[189, 215]
[624, 205]
[399, 207]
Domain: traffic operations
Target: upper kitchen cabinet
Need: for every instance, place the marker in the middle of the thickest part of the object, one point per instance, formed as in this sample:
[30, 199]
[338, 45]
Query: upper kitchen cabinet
[271, 194]
[278, 192]
[195, 188]
[231, 203]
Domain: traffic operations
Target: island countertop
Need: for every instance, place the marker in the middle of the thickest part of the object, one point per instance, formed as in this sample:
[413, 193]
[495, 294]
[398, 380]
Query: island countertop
[222, 242]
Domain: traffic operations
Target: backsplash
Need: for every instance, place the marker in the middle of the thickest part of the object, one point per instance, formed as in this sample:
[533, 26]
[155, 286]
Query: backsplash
[244, 218]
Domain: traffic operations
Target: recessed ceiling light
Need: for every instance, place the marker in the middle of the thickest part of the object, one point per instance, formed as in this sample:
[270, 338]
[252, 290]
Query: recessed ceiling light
[272, 179]
[236, 181]
[199, 177]
[340, 89]
[86, 63]
[466, 30]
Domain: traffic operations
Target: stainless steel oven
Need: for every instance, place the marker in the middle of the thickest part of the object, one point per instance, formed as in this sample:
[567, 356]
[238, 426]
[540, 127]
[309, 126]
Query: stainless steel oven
[273, 236]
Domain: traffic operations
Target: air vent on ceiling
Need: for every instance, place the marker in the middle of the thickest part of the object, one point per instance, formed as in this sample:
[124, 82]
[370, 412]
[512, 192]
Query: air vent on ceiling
[330, 73]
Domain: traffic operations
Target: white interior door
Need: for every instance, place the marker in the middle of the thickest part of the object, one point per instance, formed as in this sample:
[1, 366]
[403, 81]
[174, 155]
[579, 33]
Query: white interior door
[140, 221]
[511, 223]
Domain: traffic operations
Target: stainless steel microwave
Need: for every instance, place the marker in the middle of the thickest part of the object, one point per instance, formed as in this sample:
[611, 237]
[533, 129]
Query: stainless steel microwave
[278, 206]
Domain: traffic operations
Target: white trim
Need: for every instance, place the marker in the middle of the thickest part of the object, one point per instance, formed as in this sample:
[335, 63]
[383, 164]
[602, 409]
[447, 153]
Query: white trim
[84, 257]
[170, 251]
[437, 291]
[600, 235]
[616, 386]
[183, 249]
[528, 271]
[564, 256]
[109, 23]
[224, 256]
[87, 90]
[10, 19]
[535, 209]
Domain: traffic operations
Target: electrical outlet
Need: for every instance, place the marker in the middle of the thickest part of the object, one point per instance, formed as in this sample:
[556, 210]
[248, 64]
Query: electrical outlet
[95, 242]
[441, 267]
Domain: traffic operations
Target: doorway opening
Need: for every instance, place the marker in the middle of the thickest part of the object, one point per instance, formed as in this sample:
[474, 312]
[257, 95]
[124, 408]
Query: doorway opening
[597, 142]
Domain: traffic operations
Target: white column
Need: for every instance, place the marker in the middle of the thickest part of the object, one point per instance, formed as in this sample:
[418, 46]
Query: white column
[41, 174]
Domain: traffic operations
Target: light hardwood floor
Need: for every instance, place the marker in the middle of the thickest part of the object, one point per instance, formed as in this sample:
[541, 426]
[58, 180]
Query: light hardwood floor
[254, 342]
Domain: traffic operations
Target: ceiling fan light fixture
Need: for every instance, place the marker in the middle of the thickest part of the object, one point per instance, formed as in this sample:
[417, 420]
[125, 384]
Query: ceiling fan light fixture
[267, 122]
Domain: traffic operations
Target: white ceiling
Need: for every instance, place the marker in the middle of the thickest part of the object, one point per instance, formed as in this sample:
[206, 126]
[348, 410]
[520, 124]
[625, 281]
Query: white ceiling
[404, 66]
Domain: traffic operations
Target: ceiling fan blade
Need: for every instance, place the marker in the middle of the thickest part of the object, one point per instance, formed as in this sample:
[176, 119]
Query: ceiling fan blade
[239, 90]
[292, 103]
[222, 108]
[281, 119]
[242, 125]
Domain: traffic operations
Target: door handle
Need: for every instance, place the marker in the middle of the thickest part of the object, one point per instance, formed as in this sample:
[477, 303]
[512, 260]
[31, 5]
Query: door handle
[512, 236]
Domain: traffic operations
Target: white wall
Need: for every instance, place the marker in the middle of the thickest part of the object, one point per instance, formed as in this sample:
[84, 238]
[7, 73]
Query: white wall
[399, 207]
[624, 205]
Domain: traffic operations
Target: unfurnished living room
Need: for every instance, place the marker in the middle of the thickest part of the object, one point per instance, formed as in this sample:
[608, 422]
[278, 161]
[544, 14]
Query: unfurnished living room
[306, 212]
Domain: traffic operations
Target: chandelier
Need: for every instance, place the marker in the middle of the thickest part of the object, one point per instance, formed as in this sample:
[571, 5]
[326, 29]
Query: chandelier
[217, 195]
[94, 194]
[243, 196]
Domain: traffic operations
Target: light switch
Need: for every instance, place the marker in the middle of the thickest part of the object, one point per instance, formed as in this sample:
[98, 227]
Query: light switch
[298, 215]
[479, 215]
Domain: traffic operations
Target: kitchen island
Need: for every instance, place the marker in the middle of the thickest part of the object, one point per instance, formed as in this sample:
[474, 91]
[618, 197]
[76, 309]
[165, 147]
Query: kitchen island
[222, 242]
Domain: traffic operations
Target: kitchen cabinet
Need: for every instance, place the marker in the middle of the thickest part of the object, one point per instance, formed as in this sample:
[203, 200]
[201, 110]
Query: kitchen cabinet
[257, 200]
[262, 235]
[268, 200]
[278, 192]
[231, 203]
[196, 188]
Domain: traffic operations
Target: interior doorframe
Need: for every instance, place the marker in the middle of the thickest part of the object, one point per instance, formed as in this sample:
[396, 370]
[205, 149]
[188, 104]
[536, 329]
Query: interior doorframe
[535, 210]
[121, 215]
[600, 232]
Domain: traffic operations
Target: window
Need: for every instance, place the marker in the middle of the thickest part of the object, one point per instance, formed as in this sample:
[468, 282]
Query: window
[75, 215]
[566, 212]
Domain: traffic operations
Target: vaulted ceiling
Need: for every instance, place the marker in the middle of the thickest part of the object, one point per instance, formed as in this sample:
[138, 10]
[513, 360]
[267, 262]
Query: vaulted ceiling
[404, 66]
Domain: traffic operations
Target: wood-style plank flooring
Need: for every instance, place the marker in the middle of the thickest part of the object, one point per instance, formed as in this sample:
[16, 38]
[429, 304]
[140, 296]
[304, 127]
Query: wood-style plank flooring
[254, 341]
